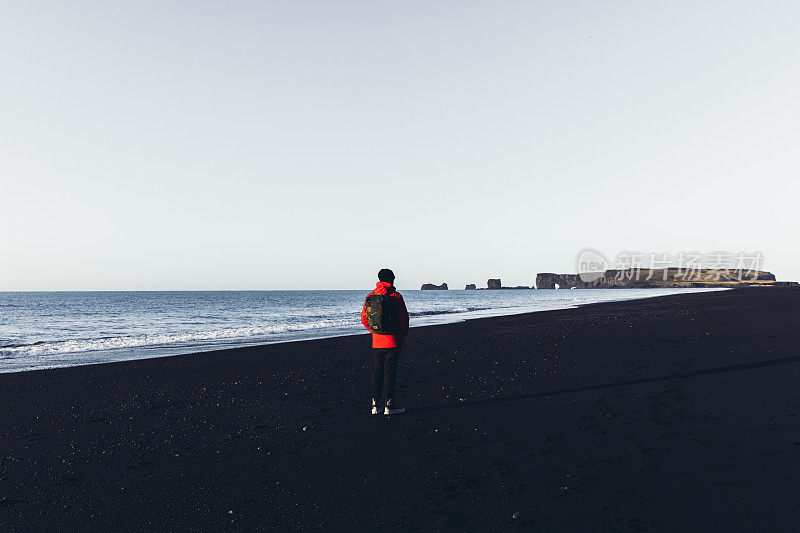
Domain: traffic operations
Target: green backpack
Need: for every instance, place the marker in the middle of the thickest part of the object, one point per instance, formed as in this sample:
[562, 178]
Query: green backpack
[381, 314]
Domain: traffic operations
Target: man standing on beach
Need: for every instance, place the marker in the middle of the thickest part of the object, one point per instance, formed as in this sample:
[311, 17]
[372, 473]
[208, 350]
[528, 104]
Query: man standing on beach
[385, 315]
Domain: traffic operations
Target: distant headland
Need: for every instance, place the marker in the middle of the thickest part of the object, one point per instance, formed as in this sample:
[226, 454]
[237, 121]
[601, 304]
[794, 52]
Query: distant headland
[640, 279]
[659, 279]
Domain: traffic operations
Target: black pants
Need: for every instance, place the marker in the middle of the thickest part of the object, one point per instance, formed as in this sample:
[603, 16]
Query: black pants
[384, 372]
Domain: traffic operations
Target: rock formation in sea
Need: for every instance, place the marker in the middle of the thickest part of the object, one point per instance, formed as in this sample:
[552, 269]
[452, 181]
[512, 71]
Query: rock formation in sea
[658, 278]
[432, 287]
[470, 287]
[494, 284]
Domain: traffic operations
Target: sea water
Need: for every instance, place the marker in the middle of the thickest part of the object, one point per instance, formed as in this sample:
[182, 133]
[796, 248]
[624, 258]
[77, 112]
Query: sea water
[53, 329]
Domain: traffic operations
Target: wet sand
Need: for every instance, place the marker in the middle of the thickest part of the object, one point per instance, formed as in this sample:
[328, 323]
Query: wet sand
[673, 413]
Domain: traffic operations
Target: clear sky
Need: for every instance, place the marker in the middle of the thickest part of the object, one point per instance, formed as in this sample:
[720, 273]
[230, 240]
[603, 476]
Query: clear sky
[288, 145]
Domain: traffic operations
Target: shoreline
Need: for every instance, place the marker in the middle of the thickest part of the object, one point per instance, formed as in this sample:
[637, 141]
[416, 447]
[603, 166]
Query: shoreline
[674, 412]
[137, 353]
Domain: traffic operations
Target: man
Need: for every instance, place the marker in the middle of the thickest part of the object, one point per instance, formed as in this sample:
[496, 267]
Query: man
[388, 341]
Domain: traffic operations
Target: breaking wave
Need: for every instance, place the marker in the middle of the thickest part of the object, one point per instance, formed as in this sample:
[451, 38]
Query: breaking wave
[449, 311]
[160, 340]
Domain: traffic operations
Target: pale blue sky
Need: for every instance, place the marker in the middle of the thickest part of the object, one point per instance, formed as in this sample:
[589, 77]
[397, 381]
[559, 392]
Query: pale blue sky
[280, 145]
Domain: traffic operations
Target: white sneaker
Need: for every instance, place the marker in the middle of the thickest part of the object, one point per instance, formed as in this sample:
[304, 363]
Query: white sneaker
[374, 408]
[391, 409]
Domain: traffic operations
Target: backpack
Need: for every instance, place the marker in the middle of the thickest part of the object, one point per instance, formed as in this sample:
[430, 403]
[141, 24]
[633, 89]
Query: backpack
[381, 314]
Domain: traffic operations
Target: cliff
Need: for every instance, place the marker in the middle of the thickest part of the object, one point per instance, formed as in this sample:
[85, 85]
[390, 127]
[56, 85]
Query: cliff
[645, 279]
[432, 287]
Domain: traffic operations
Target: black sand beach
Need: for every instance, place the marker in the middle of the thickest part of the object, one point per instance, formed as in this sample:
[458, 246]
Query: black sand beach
[673, 413]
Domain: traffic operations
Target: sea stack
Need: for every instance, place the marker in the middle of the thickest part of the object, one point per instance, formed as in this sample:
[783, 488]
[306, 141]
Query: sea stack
[432, 287]
[470, 287]
[494, 284]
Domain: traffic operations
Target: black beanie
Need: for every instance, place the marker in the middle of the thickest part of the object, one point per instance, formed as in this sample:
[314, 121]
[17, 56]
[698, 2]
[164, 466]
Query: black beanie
[386, 275]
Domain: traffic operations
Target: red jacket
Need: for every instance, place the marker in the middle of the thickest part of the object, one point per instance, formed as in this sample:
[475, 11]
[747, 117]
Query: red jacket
[398, 339]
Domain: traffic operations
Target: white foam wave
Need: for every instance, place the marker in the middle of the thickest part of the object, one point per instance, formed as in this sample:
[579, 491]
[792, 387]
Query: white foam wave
[159, 340]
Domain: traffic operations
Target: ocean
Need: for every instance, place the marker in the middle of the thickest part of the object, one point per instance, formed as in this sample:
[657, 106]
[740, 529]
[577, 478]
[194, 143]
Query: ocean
[41, 330]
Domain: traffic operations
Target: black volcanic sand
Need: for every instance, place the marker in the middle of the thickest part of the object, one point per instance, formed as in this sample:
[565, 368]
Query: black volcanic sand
[672, 413]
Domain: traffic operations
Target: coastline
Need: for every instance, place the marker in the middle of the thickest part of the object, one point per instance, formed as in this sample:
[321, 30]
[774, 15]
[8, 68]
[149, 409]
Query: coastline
[668, 412]
[41, 348]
